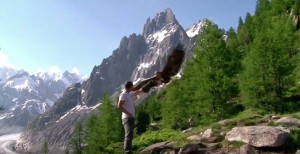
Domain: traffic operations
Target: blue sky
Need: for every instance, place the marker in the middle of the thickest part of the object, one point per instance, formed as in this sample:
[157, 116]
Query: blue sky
[75, 35]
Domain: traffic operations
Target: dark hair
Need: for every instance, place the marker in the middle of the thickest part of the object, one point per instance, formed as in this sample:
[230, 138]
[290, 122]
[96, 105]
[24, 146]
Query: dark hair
[128, 84]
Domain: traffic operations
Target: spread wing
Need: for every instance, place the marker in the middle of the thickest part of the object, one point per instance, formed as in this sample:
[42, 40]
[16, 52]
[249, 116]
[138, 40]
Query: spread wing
[173, 64]
[171, 68]
[142, 83]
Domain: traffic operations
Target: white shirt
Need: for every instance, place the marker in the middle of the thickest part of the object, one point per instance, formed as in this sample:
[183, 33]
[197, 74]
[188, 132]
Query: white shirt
[128, 105]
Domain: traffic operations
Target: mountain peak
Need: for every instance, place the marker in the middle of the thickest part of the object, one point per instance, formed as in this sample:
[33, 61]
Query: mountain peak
[196, 28]
[158, 22]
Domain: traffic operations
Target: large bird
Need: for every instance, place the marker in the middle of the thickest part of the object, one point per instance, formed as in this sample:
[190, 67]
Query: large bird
[171, 68]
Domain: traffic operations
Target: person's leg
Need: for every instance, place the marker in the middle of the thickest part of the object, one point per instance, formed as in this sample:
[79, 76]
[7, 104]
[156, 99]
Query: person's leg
[128, 127]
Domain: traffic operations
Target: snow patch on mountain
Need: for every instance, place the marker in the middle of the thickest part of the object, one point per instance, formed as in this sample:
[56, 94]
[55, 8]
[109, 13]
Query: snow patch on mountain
[196, 28]
[145, 65]
[77, 109]
[160, 35]
[24, 82]
[24, 96]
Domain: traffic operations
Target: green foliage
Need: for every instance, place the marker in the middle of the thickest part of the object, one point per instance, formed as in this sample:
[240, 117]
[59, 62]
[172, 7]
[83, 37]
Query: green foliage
[236, 144]
[151, 137]
[216, 72]
[153, 108]
[104, 129]
[293, 142]
[67, 151]
[77, 141]
[142, 120]
[296, 8]
[45, 149]
[175, 109]
[208, 88]
[115, 148]
[268, 65]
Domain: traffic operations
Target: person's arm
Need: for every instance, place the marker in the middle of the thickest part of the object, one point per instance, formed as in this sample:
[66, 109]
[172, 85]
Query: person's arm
[137, 92]
[120, 106]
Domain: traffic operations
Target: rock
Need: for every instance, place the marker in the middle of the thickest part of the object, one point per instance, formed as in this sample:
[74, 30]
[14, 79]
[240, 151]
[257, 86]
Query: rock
[188, 130]
[247, 149]
[224, 122]
[154, 126]
[194, 138]
[158, 147]
[223, 134]
[213, 146]
[289, 121]
[274, 117]
[191, 148]
[207, 133]
[259, 136]
[210, 140]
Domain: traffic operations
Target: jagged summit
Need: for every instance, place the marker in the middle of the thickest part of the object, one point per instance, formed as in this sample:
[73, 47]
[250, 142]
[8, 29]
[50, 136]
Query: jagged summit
[158, 22]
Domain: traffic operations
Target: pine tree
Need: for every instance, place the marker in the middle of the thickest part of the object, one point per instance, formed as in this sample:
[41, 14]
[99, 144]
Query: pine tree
[216, 72]
[45, 149]
[142, 120]
[176, 109]
[268, 65]
[104, 129]
[78, 140]
[153, 107]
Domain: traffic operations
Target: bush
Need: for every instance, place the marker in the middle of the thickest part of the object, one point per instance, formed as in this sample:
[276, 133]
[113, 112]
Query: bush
[152, 137]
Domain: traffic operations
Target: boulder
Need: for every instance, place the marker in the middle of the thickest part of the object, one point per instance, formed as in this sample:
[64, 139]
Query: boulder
[155, 148]
[288, 121]
[192, 148]
[194, 138]
[188, 130]
[208, 133]
[259, 136]
[224, 122]
[274, 117]
[247, 149]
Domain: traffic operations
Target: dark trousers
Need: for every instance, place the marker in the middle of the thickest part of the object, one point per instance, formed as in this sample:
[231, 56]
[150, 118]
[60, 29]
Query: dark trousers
[128, 127]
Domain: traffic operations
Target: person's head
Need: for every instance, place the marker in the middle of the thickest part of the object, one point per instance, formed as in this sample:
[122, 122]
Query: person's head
[128, 85]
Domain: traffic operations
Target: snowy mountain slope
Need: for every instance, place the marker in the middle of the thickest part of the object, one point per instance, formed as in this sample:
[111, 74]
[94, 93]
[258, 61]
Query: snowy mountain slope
[25, 96]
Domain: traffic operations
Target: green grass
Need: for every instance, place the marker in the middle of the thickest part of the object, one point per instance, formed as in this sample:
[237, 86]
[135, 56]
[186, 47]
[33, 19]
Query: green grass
[293, 142]
[152, 137]
[296, 115]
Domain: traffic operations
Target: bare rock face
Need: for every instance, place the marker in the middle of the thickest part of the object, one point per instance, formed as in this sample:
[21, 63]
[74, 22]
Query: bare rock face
[259, 136]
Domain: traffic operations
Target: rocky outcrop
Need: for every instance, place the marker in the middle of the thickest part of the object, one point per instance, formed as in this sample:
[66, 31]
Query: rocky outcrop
[259, 136]
[114, 70]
